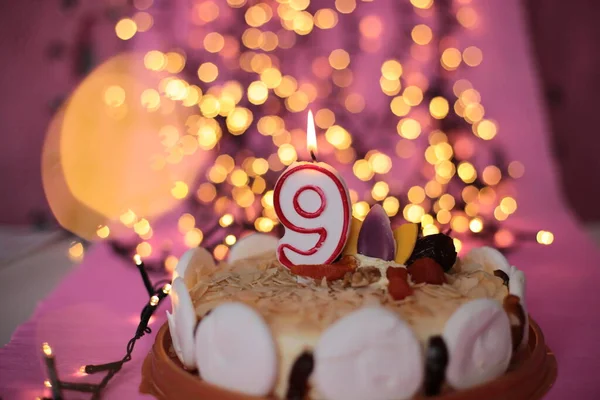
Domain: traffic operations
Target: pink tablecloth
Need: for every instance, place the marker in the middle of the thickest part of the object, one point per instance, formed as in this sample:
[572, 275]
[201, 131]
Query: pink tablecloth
[89, 318]
[92, 314]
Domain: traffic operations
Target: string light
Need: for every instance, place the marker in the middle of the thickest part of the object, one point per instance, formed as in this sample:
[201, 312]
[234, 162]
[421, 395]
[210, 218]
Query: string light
[226, 220]
[76, 252]
[170, 263]
[457, 244]
[439, 107]
[126, 28]
[476, 225]
[545, 237]
[156, 295]
[326, 18]
[467, 17]
[508, 205]
[230, 240]
[193, 238]
[504, 238]
[360, 209]
[345, 6]
[242, 185]
[391, 205]
[409, 128]
[421, 34]
[516, 169]
[423, 4]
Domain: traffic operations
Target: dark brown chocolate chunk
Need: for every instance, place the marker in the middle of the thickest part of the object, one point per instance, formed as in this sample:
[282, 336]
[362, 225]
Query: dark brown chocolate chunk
[440, 247]
[502, 275]
[436, 361]
[298, 382]
[518, 318]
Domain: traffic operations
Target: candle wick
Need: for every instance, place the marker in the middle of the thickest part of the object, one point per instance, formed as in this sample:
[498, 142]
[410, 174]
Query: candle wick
[312, 155]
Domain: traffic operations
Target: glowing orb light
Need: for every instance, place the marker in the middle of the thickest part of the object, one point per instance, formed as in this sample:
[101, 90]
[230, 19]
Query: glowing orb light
[105, 151]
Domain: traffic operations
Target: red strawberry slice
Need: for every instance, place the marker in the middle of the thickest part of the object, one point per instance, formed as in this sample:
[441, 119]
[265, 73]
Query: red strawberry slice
[427, 270]
[396, 272]
[398, 286]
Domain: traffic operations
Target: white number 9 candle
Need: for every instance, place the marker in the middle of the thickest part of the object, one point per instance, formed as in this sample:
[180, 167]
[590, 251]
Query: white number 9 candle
[313, 204]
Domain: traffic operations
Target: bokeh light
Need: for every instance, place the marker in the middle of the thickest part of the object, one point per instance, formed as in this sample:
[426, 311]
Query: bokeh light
[545, 237]
[92, 176]
[422, 34]
[409, 128]
[249, 99]
[208, 72]
[126, 28]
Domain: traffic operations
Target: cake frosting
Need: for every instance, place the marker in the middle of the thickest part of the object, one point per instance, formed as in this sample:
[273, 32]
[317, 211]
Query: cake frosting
[258, 324]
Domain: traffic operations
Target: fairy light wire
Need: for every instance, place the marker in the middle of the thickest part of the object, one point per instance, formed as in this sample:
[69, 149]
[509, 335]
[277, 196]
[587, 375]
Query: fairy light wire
[158, 293]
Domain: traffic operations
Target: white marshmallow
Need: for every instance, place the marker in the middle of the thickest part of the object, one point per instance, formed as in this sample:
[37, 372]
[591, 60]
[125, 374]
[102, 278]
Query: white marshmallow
[479, 343]
[182, 323]
[516, 283]
[488, 258]
[252, 245]
[516, 286]
[235, 350]
[183, 263]
[199, 257]
[369, 354]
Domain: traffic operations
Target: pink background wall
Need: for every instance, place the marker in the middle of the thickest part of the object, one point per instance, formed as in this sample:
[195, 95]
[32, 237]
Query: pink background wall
[30, 83]
[565, 36]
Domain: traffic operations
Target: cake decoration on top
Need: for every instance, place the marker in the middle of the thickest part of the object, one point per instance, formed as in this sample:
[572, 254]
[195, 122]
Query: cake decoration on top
[395, 315]
[376, 238]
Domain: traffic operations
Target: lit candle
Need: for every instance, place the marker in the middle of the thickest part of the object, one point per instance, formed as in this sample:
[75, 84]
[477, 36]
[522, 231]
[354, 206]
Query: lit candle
[312, 202]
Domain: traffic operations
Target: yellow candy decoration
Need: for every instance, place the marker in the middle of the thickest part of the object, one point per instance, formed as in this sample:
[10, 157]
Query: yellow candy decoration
[406, 237]
[351, 247]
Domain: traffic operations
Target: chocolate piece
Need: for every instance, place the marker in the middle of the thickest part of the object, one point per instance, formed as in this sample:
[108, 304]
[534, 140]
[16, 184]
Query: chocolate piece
[436, 360]
[376, 238]
[501, 274]
[440, 247]
[301, 370]
[516, 314]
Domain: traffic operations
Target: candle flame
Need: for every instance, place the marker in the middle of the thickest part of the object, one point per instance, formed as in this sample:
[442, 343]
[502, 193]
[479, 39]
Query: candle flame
[311, 136]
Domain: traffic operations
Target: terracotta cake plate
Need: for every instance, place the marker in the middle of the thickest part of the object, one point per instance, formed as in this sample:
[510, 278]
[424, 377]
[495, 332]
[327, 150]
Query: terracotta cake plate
[531, 375]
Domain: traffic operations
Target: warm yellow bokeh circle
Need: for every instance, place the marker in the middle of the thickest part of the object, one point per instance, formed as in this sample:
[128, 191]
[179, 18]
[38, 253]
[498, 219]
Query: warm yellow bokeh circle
[111, 151]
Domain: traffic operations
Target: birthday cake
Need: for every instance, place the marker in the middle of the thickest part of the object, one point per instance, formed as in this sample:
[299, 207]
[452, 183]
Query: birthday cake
[417, 321]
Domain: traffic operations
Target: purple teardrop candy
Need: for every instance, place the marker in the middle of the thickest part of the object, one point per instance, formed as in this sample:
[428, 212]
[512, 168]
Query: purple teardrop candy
[376, 238]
